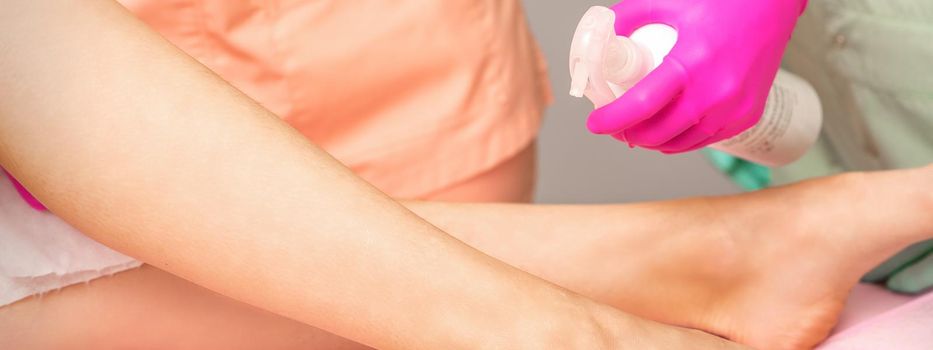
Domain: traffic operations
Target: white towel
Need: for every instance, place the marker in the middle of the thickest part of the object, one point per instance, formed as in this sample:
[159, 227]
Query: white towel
[39, 252]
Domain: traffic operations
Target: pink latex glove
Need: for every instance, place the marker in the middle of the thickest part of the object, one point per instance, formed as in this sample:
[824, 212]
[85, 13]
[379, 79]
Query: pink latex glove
[714, 83]
[32, 201]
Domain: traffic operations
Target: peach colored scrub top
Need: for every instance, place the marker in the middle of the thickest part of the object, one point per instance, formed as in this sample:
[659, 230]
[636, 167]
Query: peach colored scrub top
[413, 95]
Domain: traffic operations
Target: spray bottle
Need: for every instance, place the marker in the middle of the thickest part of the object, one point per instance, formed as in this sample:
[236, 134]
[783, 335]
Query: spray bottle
[603, 66]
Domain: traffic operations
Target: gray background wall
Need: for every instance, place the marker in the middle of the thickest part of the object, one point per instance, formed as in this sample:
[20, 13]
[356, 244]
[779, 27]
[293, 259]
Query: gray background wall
[577, 167]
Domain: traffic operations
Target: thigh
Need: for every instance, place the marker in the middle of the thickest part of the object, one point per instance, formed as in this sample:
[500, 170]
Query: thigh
[510, 181]
[147, 308]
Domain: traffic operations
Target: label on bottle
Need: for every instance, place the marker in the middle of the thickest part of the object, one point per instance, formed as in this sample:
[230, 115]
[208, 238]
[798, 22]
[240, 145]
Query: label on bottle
[790, 124]
[779, 110]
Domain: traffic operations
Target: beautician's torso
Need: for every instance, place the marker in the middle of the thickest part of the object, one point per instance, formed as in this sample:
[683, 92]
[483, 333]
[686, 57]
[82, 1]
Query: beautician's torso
[869, 60]
[418, 97]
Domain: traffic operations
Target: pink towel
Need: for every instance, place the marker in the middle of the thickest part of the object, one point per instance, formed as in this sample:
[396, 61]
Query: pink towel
[877, 319]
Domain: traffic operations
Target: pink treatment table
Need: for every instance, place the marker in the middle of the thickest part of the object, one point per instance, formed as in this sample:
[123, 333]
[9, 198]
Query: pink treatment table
[876, 319]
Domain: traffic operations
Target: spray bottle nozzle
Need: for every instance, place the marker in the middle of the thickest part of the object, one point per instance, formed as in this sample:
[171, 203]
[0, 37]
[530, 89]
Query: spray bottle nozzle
[579, 78]
[603, 64]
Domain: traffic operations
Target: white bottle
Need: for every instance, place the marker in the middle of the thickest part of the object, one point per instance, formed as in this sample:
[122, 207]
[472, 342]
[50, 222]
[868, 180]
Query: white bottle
[603, 66]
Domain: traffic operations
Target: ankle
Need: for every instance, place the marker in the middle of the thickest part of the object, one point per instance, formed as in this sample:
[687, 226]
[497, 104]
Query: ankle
[923, 177]
[872, 214]
[906, 198]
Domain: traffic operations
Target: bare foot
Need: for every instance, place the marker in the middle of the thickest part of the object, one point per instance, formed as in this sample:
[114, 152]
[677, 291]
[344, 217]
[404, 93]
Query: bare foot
[782, 262]
[801, 266]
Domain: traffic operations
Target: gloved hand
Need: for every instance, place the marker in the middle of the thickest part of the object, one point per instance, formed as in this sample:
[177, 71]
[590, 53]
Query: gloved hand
[32, 201]
[714, 83]
[915, 278]
[910, 272]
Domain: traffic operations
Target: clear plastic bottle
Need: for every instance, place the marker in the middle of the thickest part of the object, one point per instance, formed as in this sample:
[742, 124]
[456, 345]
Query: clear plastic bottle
[603, 66]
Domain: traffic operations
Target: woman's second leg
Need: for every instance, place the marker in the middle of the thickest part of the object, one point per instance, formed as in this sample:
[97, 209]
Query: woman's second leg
[771, 269]
[147, 308]
[512, 181]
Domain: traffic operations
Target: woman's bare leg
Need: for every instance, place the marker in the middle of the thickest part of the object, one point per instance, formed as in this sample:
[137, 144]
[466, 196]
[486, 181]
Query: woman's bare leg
[771, 269]
[152, 307]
